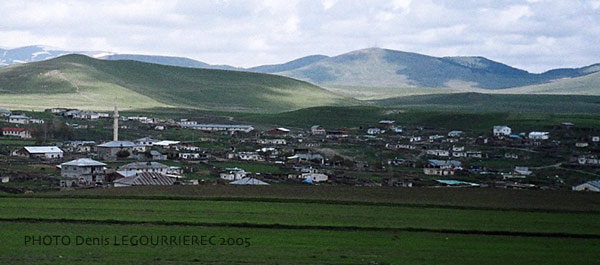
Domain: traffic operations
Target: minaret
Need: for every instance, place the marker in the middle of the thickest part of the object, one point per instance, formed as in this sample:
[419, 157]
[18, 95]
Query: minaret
[116, 124]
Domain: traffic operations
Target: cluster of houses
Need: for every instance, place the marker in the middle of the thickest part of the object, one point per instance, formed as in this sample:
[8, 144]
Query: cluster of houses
[437, 154]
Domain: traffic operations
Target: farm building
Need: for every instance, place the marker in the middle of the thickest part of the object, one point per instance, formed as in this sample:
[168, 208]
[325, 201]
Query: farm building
[144, 179]
[17, 132]
[86, 170]
[41, 152]
[588, 186]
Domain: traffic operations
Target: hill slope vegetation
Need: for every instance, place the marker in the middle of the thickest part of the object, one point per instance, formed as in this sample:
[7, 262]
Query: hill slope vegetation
[84, 82]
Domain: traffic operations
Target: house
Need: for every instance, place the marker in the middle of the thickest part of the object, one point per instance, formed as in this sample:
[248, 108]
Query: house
[375, 131]
[144, 179]
[79, 146]
[511, 155]
[146, 141]
[55, 110]
[474, 154]
[272, 141]
[522, 171]
[219, 127]
[337, 134]
[155, 155]
[36, 121]
[188, 156]
[442, 167]
[315, 177]
[588, 186]
[595, 139]
[304, 157]
[233, 174]
[501, 130]
[18, 119]
[5, 179]
[140, 167]
[110, 150]
[278, 131]
[415, 139]
[248, 181]
[455, 133]
[40, 152]
[438, 152]
[539, 135]
[317, 130]
[592, 160]
[5, 113]
[458, 148]
[249, 156]
[85, 170]
[387, 123]
[582, 144]
[186, 122]
[159, 127]
[16, 132]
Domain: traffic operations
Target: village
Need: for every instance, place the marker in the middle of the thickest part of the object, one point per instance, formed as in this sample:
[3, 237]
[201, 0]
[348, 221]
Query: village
[386, 153]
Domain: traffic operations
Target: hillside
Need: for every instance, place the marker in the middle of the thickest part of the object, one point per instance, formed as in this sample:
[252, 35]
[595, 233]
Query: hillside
[84, 82]
[167, 60]
[497, 103]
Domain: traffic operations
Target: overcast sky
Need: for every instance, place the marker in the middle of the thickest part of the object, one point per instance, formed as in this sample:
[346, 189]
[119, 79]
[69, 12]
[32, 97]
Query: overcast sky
[535, 35]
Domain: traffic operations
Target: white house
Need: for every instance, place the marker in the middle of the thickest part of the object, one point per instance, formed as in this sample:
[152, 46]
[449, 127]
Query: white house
[501, 130]
[315, 177]
[438, 152]
[18, 119]
[539, 135]
[41, 152]
[588, 186]
[233, 174]
[375, 131]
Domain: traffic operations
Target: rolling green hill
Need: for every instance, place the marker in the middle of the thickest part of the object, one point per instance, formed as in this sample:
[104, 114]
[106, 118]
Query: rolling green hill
[82, 82]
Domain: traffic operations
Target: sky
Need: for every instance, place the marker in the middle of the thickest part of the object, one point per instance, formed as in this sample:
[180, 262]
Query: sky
[535, 35]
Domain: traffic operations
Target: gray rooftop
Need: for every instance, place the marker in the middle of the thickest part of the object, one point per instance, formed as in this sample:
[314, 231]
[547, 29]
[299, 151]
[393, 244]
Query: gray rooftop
[83, 162]
[117, 144]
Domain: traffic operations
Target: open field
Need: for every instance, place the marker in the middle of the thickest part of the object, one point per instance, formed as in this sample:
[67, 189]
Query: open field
[305, 225]
[288, 246]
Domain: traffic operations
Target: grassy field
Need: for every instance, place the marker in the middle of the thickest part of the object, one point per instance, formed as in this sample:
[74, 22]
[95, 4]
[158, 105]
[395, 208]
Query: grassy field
[305, 225]
[498, 103]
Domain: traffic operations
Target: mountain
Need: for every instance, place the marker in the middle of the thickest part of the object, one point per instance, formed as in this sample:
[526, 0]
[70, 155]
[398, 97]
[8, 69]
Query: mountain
[168, 60]
[37, 53]
[82, 82]
[381, 73]
[291, 65]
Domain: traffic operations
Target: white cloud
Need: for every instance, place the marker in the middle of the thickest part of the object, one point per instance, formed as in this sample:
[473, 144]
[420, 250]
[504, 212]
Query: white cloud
[533, 34]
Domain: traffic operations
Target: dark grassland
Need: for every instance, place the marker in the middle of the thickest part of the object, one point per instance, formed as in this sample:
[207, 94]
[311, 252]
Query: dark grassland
[308, 225]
